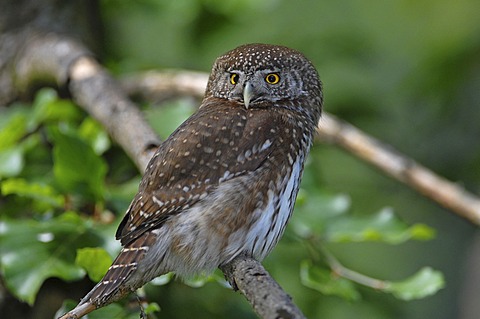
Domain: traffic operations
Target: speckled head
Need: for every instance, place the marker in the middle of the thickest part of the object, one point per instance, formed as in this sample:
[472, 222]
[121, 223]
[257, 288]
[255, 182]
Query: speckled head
[254, 57]
[254, 74]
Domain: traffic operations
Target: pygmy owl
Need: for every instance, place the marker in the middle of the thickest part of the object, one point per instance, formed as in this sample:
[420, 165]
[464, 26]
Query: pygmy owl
[225, 182]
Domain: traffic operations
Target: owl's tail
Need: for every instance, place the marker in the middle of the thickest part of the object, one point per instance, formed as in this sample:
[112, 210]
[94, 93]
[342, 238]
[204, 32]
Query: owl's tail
[115, 284]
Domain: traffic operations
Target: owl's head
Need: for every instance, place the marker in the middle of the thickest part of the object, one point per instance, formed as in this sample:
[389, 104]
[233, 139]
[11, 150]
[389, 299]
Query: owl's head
[262, 75]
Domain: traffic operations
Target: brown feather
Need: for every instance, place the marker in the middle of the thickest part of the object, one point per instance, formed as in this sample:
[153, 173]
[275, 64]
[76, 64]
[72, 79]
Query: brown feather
[168, 189]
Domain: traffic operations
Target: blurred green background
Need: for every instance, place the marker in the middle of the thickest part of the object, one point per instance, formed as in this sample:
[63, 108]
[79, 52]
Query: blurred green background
[406, 72]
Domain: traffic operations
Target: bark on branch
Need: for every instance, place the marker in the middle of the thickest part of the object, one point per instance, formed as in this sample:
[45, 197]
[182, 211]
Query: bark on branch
[96, 92]
[265, 295]
[151, 86]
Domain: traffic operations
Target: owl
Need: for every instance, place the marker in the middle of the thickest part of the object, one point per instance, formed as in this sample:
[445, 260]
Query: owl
[224, 183]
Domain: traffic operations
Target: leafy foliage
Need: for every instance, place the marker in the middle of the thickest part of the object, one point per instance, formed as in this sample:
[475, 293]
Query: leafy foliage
[326, 282]
[424, 283]
[329, 216]
[340, 282]
[43, 195]
[321, 218]
[52, 199]
[32, 251]
[77, 168]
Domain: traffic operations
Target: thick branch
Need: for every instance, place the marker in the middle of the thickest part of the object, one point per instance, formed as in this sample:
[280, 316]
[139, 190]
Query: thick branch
[94, 89]
[64, 61]
[334, 131]
[264, 294]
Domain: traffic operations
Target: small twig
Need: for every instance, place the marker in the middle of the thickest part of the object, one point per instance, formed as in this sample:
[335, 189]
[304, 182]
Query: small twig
[143, 315]
[334, 131]
[344, 272]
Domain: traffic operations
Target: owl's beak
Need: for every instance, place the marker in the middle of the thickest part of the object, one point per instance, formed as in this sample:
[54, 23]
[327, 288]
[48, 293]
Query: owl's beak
[247, 94]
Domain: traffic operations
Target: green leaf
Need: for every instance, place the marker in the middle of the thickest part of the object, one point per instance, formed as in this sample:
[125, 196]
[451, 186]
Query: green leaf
[197, 281]
[48, 107]
[152, 307]
[13, 131]
[11, 161]
[424, 283]
[91, 131]
[32, 251]
[384, 226]
[328, 216]
[163, 279]
[76, 167]
[313, 213]
[324, 281]
[95, 261]
[37, 191]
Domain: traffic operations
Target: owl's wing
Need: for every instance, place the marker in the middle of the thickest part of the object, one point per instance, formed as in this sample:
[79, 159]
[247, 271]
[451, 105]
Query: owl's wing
[216, 144]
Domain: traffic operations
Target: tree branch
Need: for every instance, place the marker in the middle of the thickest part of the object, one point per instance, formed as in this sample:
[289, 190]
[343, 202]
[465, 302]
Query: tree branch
[50, 58]
[408, 171]
[156, 86]
[66, 62]
[151, 86]
[95, 91]
[266, 296]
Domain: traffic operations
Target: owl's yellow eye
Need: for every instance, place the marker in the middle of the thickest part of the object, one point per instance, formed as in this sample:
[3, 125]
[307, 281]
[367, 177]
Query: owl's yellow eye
[234, 78]
[272, 78]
